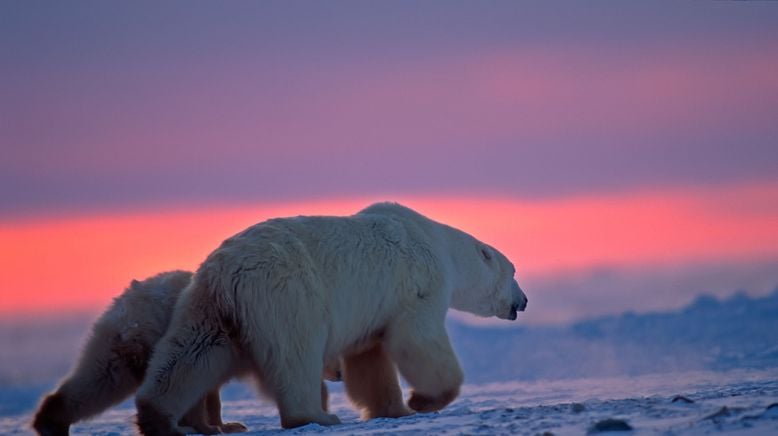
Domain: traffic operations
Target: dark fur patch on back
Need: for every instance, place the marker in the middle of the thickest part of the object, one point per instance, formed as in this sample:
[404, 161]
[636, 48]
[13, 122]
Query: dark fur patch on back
[152, 422]
[52, 418]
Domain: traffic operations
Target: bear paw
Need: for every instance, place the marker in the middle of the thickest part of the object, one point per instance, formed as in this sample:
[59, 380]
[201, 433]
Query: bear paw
[233, 427]
[151, 421]
[427, 403]
[299, 421]
[388, 411]
[52, 417]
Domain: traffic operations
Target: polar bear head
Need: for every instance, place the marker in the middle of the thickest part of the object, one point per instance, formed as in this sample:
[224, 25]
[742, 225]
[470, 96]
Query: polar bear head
[487, 286]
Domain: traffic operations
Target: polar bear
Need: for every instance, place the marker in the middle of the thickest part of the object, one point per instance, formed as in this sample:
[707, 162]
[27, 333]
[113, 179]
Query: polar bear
[115, 358]
[288, 296]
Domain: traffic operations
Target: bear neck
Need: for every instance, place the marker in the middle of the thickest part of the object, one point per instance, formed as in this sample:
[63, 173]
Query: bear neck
[455, 258]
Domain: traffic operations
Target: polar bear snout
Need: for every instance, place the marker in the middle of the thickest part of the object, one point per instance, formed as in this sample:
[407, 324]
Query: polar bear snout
[519, 307]
[513, 313]
[517, 303]
[522, 306]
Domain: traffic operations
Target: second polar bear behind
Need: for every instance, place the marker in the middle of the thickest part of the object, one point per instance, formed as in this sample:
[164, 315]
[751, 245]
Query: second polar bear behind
[114, 360]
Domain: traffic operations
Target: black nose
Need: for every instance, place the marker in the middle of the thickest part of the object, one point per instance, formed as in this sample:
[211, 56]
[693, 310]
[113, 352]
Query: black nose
[523, 306]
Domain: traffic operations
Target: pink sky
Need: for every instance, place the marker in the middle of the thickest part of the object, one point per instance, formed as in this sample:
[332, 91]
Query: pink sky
[640, 138]
[81, 262]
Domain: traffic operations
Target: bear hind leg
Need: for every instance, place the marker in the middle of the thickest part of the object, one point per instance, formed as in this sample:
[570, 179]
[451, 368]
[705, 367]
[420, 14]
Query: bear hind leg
[213, 406]
[295, 383]
[187, 364]
[195, 419]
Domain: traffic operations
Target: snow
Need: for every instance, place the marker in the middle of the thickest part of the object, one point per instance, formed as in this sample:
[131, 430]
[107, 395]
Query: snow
[609, 372]
[734, 402]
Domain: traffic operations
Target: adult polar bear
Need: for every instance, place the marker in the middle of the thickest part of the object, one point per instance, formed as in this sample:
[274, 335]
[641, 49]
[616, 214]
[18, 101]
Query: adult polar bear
[288, 296]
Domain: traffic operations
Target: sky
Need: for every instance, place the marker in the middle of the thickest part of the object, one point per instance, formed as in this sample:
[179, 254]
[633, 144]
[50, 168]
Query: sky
[624, 156]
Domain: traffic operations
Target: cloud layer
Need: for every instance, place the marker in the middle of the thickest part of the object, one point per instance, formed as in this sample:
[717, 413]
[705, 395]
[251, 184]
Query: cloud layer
[124, 107]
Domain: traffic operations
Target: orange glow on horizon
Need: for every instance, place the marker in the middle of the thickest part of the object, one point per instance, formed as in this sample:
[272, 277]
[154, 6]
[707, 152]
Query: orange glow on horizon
[80, 263]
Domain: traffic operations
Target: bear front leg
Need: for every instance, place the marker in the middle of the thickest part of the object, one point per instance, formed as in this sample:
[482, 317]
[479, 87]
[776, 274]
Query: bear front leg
[190, 360]
[425, 358]
[371, 383]
[104, 376]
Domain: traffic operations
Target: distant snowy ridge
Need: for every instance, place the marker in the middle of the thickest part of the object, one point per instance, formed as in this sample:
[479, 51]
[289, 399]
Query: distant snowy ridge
[708, 334]
[737, 333]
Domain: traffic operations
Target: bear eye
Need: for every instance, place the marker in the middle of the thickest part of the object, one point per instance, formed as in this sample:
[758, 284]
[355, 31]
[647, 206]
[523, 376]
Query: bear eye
[486, 254]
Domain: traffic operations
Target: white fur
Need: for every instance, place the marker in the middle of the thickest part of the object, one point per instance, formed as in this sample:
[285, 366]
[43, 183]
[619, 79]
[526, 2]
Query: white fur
[115, 358]
[287, 296]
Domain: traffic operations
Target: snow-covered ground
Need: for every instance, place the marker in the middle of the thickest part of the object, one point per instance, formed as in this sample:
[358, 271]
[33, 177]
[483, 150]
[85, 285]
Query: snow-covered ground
[735, 402]
[711, 367]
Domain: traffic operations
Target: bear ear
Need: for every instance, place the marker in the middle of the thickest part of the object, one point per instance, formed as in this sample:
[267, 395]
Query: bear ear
[485, 252]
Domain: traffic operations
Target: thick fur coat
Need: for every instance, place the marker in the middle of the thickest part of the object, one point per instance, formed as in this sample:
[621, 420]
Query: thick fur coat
[114, 361]
[287, 297]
